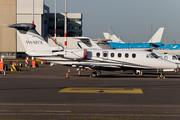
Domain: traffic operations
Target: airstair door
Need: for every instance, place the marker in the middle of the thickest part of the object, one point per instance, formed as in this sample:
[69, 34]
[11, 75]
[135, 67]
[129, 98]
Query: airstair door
[105, 55]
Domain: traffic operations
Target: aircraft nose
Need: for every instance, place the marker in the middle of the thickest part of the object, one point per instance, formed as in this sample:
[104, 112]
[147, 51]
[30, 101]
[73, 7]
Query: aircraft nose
[178, 65]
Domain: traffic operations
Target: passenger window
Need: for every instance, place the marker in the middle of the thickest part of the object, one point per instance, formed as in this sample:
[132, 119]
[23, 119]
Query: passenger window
[126, 55]
[98, 54]
[133, 55]
[119, 55]
[166, 57]
[174, 57]
[112, 54]
[105, 54]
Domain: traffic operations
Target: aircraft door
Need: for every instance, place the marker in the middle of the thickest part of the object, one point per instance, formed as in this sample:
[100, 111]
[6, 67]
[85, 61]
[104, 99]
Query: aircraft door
[105, 55]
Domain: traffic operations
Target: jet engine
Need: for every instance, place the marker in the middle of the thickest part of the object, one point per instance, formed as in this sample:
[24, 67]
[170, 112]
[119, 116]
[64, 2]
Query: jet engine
[75, 54]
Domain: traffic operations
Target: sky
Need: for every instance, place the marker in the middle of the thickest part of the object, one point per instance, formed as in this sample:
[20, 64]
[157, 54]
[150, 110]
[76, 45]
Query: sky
[129, 19]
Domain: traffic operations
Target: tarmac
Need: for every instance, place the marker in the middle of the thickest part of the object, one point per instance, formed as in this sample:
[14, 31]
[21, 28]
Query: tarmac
[45, 93]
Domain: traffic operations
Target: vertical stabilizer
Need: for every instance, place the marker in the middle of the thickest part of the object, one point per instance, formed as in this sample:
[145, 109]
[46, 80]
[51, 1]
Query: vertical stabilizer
[113, 37]
[34, 44]
[157, 36]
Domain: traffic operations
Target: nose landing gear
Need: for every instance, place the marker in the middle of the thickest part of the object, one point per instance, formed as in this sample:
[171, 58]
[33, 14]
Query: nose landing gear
[95, 73]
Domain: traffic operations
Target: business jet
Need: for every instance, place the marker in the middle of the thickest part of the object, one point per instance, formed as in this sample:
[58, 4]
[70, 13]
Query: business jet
[92, 59]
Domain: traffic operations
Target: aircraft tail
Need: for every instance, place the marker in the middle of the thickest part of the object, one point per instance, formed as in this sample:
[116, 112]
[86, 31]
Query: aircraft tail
[33, 43]
[113, 37]
[157, 36]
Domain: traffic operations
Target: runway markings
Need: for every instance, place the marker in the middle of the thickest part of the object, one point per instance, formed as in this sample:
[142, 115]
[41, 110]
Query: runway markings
[101, 90]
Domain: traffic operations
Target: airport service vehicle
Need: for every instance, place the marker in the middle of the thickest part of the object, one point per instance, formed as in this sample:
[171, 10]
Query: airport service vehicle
[92, 59]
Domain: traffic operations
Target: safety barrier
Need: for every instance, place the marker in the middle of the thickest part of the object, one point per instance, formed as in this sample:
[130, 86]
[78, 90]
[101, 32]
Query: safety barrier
[15, 67]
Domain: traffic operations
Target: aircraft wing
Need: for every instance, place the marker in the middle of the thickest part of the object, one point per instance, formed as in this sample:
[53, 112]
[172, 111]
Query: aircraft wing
[93, 66]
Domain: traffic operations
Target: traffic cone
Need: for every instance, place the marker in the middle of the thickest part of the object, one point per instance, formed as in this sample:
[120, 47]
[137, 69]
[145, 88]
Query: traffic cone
[4, 73]
[67, 76]
[81, 69]
[79, 73]
[69, 70]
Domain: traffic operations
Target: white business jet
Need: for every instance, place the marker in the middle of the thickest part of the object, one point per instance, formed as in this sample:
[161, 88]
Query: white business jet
[93, 59]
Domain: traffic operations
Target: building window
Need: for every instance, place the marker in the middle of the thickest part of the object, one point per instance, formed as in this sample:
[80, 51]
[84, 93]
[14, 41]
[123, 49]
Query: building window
[126, 55]
[112, 54]
[133, 55]
[98, 54]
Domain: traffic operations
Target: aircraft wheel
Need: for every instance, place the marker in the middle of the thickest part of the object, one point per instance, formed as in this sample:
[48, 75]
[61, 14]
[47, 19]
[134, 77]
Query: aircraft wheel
[93, 74]
[161, 76]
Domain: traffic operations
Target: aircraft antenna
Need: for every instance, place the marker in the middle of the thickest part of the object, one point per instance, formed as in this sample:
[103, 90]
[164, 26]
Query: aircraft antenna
[151, 31]
[111, 31]
[165, 43]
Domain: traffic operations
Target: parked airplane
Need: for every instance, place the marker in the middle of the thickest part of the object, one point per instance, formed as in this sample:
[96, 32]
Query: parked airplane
[92, 59]
[155, 41]
[168, 49]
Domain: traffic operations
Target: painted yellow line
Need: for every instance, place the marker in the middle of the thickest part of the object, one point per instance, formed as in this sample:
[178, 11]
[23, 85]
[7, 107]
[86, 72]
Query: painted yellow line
[101, 90]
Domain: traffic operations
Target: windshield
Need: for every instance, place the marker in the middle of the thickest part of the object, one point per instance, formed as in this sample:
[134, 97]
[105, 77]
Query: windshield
[153, 55]
[178, 57]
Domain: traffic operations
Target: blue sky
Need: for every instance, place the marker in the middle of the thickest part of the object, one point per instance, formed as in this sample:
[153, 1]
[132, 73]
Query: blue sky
[130, 19]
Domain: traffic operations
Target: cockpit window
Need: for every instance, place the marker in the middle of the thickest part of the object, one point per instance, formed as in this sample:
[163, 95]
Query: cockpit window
[152, 55]
[156, 56]
[178, 57]
[174, 57]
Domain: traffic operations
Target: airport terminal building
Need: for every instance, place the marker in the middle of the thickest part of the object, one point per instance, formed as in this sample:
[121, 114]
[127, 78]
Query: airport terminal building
[20, 11]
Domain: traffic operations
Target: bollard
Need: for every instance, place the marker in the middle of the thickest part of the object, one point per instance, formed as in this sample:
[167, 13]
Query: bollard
[10, 63]
[1, 64]
[33, 64]
[79, 72]
[69, 70]
[26, 62]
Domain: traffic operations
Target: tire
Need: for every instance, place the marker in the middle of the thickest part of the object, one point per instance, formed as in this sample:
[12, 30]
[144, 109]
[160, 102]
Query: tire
[93, 74]
[161, 76]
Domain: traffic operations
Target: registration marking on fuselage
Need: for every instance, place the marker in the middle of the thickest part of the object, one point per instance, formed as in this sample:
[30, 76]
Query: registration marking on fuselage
[101, 90]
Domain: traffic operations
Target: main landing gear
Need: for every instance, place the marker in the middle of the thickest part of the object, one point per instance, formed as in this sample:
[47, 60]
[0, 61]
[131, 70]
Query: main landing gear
[138, 72]
[161, 75]
[95, 73]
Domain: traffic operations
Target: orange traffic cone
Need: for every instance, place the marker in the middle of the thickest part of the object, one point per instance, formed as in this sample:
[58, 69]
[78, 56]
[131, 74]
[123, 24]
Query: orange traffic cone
[4, 73]
[69, 70]
[79, 73]
[81, 69]
[67, 76]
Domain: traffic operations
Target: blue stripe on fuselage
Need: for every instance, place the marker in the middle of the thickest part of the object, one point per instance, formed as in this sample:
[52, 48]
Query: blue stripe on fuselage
[133, 45]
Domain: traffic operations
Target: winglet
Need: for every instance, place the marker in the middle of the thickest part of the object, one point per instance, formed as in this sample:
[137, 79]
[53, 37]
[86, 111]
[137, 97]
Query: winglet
[157, 36]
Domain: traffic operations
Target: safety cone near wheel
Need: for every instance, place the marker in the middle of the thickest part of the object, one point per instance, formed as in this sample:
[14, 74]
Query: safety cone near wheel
[67, 76]
[79, 72]
[69, 70]
[4, 73]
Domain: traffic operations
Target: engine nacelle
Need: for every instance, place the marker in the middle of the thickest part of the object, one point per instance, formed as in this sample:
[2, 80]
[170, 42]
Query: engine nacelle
[75, 53]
